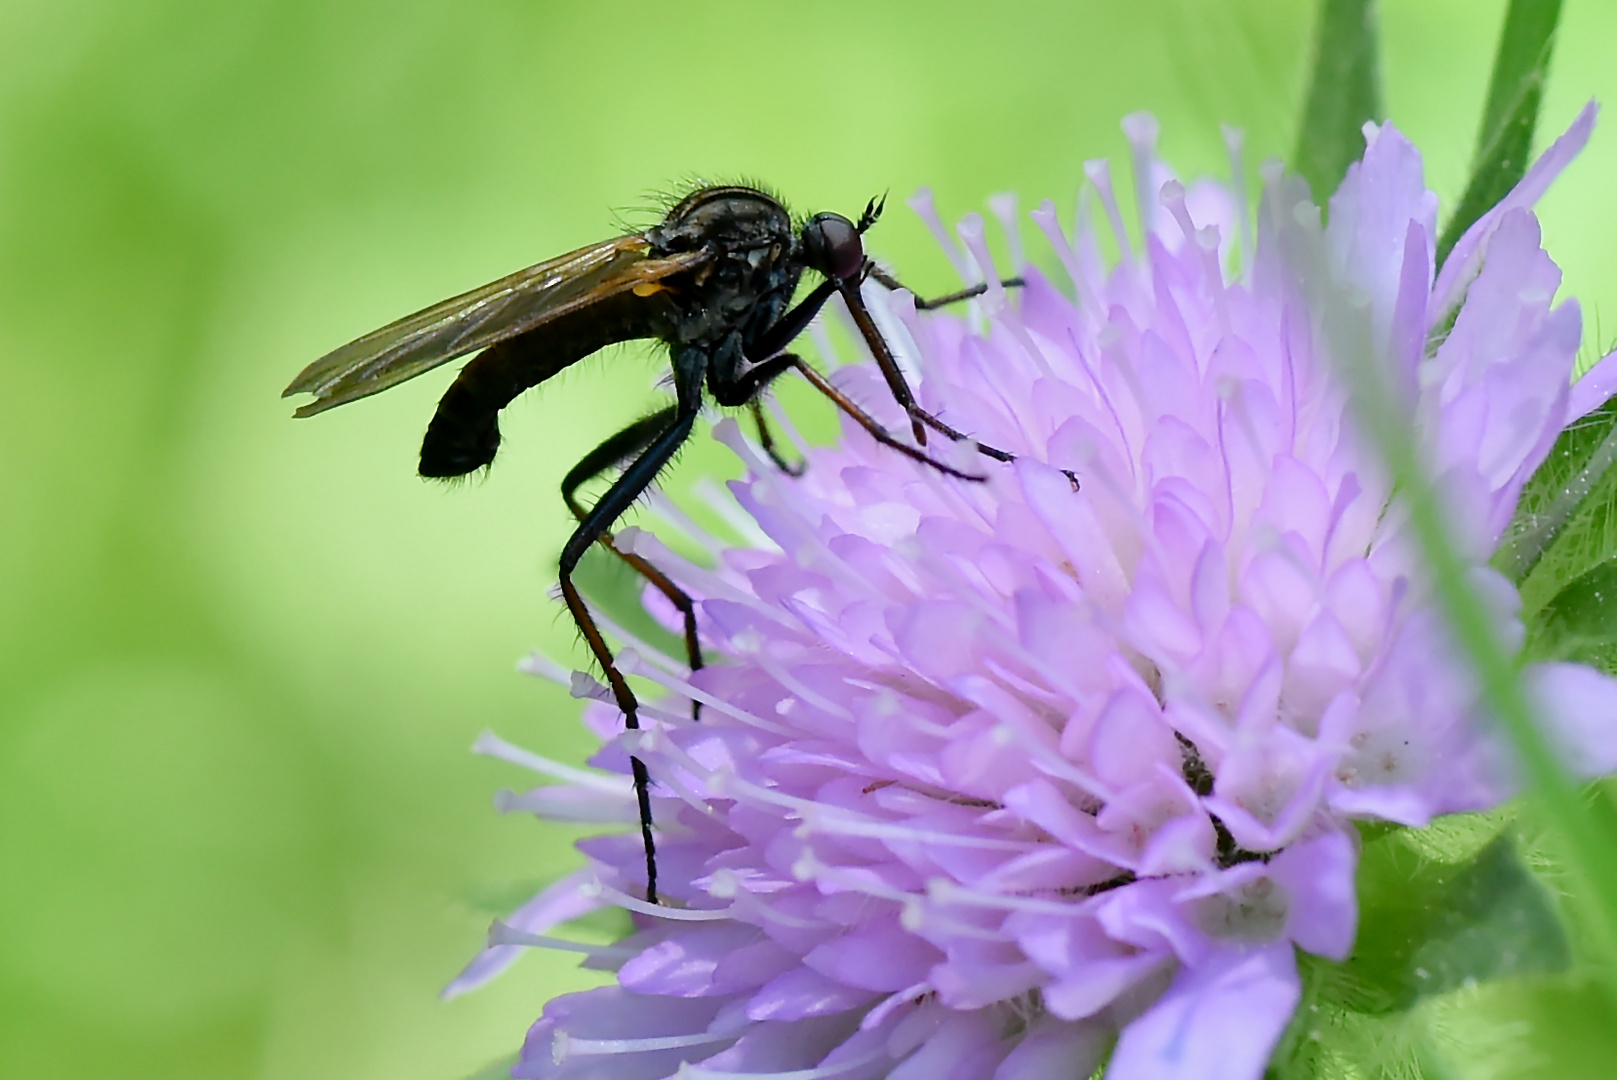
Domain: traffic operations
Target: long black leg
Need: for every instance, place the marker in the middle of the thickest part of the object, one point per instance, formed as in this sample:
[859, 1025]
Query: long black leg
[892, 282]
[895, 376]
[920, 419]
[766, 439]
[629, 485]
[614, 451]
[795, 321]
[744, 389]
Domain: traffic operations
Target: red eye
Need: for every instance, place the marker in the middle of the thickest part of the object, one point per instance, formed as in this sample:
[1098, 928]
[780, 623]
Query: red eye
[832, 246]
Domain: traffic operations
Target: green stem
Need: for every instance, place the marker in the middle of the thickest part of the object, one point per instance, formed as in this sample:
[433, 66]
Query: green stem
[1506, 137]
[1586, 846]
[1343, 93]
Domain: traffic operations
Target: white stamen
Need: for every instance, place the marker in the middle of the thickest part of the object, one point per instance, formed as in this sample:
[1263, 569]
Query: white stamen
[661, 911]
[1045, 218]
[1084, 242]
[537, 663]
[1233, 140]
[694, 578]
[917, 917]
[996, 302]
[726, 884]
[564, 1046]
[500, 933]
[587, 687]
[823, 344]
[614, 811]
[1003, 207]
[926, 209]
[878, 1016]
[648, 744]
[822, 820]
[1142, 131]
[632, 665]
[904, 349]
[975, 238]
[722, 503]
[809, 868]
[944, 891]
[782, 674]
[1205, 243]
[490, 745]
[673, 514]
[630, 640]
[1099, 173]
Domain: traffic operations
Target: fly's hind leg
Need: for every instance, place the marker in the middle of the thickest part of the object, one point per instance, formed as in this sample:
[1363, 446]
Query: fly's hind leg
[656, 448]
[627, 444]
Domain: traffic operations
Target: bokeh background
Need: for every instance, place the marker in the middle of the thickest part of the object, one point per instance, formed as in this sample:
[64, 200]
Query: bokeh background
[242, 658]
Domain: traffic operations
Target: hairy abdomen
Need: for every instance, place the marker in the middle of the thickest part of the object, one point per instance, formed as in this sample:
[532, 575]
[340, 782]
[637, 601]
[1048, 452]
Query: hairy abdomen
[464, 434]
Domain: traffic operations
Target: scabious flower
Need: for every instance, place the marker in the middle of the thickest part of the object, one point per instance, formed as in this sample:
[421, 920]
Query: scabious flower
[998, 779]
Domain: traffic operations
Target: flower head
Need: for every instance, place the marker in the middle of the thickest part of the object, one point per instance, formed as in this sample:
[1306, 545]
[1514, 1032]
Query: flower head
[993, 779]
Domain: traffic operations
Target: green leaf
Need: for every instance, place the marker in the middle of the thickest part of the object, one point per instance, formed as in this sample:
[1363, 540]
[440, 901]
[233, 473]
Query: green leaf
[1580, 623]
[1344, 92]
[1428, 927]
[1506, 137]
[1564, 524]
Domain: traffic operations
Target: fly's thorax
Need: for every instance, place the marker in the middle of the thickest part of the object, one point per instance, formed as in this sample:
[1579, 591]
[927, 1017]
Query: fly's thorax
[755, 266]
[731, 296]
[730, 216]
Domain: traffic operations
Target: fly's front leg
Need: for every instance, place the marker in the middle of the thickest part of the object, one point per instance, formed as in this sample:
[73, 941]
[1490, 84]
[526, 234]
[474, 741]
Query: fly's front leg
[596, 524]
[895, 377]
[971, 293]
[624, 445]
[920, 419]
[742, 390]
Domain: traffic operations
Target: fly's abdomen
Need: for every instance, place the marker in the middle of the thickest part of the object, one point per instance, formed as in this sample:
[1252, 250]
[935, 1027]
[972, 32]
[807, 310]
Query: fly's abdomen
[464, 434]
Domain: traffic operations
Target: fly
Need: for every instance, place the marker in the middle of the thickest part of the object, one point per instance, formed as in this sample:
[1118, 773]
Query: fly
[714, 281]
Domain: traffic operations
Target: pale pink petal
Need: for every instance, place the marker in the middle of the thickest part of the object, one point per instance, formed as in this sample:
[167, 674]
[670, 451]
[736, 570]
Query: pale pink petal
[1217, 1021]
[1593, 389]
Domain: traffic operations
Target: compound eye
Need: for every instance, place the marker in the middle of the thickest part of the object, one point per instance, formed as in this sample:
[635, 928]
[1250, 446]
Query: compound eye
[834, 247]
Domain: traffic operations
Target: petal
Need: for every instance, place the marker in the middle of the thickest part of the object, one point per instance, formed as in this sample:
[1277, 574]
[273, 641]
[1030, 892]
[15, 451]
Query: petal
[559, 903]
[1468, 253]
[804, 992]
[1593, 389]
[1379, 200]
[684, 964]
[1098, 983]
[879, 955]
[965, 1047]
[1052, 1048]
[1217, 1021]
[1578, 707]
[1317, 875]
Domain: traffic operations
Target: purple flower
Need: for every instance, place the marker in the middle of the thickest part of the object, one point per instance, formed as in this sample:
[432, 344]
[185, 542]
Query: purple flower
[995, 779]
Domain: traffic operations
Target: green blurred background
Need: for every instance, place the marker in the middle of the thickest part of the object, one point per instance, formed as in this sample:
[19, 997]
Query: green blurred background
[242, 658]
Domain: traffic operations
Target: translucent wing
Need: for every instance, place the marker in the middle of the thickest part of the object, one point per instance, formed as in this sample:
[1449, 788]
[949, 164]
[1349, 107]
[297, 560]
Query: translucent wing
[475, 320]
